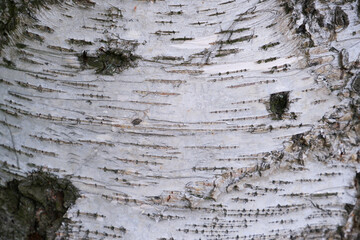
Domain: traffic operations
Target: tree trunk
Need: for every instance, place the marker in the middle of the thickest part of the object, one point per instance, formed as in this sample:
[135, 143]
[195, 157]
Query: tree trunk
[189, 120]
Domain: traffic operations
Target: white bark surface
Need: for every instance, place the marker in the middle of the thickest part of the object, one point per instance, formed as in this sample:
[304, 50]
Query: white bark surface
[206, 161]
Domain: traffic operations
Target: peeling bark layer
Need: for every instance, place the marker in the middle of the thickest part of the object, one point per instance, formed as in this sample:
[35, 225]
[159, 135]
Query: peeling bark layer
[165, 115]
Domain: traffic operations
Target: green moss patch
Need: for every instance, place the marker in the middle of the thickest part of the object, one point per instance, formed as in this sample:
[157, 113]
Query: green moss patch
[33, 208]
[341, 19]
[356, 83]
[108, 61]
[11, 11]
[279, 103]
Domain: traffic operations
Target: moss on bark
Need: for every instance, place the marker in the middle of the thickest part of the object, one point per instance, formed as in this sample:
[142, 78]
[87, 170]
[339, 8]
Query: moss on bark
[279, 103]
[12, 11]
[33, 208]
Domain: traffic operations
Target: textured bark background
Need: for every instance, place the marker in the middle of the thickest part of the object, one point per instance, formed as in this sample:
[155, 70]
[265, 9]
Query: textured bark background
[187, 120]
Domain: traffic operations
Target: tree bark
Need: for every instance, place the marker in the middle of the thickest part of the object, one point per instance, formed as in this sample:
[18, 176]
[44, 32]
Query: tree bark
[191, 120]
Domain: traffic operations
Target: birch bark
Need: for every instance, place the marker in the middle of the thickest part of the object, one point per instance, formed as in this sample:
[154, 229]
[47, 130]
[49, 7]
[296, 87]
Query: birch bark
[166, 116]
